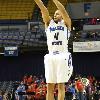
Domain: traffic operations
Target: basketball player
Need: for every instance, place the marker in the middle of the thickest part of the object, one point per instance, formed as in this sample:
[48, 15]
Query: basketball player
[58, 63]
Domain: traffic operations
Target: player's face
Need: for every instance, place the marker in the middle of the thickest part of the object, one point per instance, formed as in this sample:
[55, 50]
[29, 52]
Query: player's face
[57, 16]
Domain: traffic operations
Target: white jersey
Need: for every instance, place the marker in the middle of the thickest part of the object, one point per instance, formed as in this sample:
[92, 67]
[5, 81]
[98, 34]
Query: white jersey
[57, 37]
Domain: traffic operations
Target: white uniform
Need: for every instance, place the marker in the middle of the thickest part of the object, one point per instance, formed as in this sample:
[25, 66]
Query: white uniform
[58, 63]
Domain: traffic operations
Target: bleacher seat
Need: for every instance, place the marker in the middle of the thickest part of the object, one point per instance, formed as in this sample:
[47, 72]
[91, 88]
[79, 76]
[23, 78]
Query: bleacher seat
[16, 9]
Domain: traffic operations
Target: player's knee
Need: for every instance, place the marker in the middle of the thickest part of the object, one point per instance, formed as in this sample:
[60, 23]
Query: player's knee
[61, 87]
[50, 87]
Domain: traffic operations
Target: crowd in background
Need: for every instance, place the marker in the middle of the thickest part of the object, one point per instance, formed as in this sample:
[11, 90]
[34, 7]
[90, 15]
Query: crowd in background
[32, 87]
[92, 21]
[86, 36]
[77, 88]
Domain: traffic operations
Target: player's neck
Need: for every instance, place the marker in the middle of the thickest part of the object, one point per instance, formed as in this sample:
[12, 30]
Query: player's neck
[57, 21]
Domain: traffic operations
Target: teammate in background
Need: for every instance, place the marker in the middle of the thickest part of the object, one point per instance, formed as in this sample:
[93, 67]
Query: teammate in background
[58, 63]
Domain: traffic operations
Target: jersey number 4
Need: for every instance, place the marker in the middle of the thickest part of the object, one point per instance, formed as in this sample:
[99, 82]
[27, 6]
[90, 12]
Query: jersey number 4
[56, 35]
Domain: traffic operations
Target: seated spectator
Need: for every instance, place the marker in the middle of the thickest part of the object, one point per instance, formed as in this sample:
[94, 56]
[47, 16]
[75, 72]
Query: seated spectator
[21, 88]
[80, 89]
[41, 92]
[84, 35]
[19, 93]
[70, 92]
[93, 21]
[1, 95]
[31, 88]
[30, 79]
[25, 79]
[56, 92]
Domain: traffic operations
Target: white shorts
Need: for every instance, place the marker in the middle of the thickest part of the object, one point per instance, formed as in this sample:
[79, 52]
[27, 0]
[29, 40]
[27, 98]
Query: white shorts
[58, 67]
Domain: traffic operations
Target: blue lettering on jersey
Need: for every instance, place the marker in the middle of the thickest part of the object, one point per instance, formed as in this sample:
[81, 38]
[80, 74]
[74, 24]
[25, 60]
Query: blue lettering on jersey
[57, 43]
[57, 28]
[70, 61]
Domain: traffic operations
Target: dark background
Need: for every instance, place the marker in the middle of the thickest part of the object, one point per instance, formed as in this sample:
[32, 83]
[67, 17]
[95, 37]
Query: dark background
[14, 68]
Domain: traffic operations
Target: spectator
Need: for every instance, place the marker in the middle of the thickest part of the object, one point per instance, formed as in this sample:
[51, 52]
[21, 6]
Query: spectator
[25, 79]
[20, 91]
[30, 79]
[80, 89]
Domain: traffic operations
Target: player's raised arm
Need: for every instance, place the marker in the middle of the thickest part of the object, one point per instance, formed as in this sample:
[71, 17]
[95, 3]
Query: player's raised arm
[64, 13]
[44, 11]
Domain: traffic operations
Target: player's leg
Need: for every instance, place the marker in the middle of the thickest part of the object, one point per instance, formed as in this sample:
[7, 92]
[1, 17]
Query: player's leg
[50, 91]
[63, 74]
[50, 69]
[61, 91]
[64, 67]
[50, 75]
